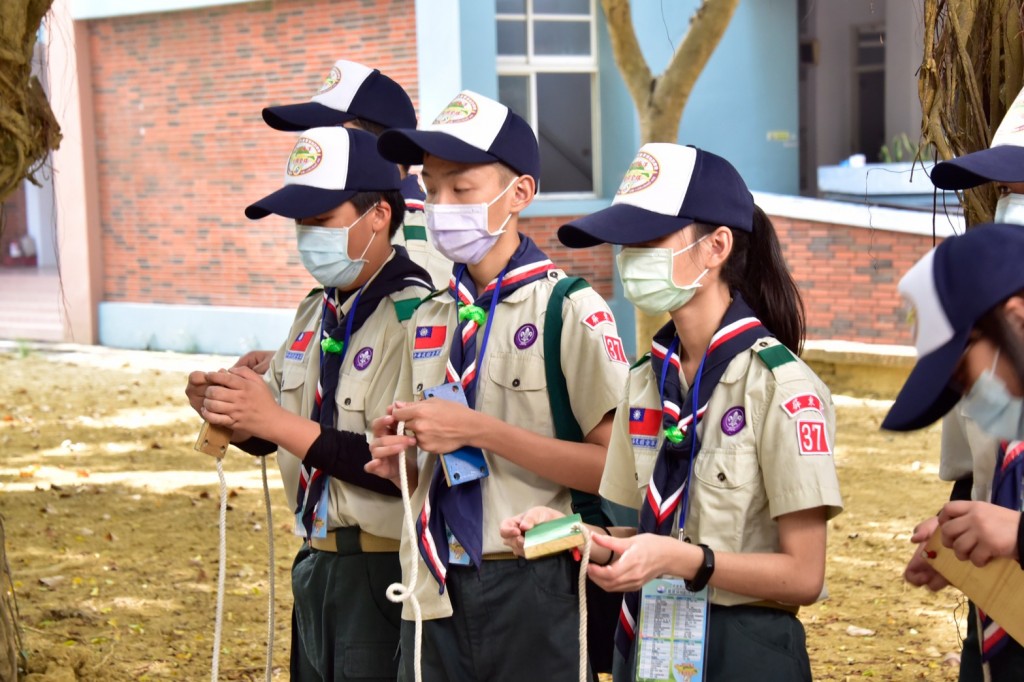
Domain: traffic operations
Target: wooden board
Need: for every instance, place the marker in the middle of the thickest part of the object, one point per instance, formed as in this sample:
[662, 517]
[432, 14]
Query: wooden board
[554, 536]
[997, 587]
[213, 440]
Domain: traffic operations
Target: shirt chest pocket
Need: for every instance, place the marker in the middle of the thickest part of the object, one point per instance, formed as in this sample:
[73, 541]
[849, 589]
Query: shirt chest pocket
[351, 398]
[728, 469]
[518, 393]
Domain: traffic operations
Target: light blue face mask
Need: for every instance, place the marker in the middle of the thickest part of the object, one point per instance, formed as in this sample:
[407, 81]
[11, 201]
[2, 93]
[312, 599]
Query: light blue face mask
[324, 252]
[991, 406]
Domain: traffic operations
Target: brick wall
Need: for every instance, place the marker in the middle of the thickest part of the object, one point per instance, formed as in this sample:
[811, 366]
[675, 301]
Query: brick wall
[182, 148]
[848, 278]
[593, 264]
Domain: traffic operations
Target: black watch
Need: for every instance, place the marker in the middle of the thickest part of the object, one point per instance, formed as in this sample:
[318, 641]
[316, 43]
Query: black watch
[703, 575]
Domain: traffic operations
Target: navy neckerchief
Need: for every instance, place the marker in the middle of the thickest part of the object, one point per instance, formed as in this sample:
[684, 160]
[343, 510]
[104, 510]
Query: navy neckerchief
[738, 332]
[1006, 492]
[396, 274]
[460, 508]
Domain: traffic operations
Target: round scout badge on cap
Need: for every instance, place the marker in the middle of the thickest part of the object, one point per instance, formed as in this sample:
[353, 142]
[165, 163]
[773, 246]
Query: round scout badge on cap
[734, 421]
[306, 156]
[363, 358]
[525, 336]
[641, 174]
[333, 78]
[461, 109]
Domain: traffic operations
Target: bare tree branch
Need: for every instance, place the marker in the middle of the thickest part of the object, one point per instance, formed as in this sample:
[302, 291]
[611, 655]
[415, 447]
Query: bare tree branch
[626, 49]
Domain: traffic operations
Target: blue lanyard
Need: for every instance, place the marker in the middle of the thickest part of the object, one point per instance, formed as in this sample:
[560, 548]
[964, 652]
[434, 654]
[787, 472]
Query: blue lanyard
[350, 317]
[693, 423]
[488, 322]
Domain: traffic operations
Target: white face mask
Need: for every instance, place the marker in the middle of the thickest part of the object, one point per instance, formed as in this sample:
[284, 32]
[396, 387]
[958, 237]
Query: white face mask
[460, 231]
[324, 252]
[1010, 209]
[990, 405]
[647, 280]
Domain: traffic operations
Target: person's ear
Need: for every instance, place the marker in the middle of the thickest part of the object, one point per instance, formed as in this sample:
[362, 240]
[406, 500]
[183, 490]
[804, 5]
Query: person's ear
[1013, 313]
[522, 193]
[380, 216]
[717, 247]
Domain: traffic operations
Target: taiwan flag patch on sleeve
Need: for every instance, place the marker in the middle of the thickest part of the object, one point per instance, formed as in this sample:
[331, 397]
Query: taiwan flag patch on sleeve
[644, 425]
[298, 348]
[429, 342]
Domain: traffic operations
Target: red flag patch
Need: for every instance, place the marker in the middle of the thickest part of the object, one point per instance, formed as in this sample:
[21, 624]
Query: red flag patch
[429, 341]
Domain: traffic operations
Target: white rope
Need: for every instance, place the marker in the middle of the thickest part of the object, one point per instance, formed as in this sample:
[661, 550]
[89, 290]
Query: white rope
[397, 592]
[584, 562]
[221, 560]
[270, 571]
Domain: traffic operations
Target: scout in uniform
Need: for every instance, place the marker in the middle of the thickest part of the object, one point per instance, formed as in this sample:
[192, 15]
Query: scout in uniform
[968, 454]
[337, 370]
[968, 297]
[488, 615]
[357, 96]
[733, 511]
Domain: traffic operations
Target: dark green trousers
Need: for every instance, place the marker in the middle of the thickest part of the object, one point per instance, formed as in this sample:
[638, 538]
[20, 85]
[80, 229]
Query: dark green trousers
[1006, 666]
[746, 643]
[343, 626]
[513, 621]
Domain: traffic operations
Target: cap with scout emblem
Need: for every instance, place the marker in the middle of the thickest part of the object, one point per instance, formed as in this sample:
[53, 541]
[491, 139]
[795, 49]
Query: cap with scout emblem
[1003, 161]
[471, 129]
[327, 167]
[667, 187]
[951, 288]
[351, 90]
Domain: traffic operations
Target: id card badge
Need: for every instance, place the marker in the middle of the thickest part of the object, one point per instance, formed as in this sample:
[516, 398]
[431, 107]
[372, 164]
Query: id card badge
[319, 518]
[672, 632]
[467, 463]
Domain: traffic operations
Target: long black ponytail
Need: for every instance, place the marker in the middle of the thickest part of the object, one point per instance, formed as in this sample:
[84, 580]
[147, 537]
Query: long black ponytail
[758, 271]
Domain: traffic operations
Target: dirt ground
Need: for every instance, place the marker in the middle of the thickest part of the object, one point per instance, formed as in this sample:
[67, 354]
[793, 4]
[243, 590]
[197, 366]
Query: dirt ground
[112, 533]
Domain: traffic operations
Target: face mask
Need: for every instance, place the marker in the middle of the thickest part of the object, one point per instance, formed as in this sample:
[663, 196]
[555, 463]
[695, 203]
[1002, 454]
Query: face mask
[647, 281]
[993, 409]
[324, 252]
[459, 231]
[1010, 209]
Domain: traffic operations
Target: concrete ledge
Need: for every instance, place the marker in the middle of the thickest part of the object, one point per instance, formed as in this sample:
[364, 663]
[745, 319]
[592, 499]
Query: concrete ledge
[193, 328]
[863, 370]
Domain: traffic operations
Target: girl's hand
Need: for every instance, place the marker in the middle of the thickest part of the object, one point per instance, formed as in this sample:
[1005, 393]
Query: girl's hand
[979, 531]
[639, 559]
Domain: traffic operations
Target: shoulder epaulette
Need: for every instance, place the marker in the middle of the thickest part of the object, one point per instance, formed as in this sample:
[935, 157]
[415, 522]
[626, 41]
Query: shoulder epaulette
[644, 358]
[414, 232]
[316, 291]
[774, 355]
[406, 307]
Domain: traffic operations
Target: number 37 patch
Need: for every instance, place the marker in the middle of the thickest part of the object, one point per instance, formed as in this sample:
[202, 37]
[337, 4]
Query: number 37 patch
[812, 437]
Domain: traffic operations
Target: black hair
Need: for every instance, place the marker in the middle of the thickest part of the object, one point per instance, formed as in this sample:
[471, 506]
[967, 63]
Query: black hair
[364, 200]
[376, 129]
[994, 325]
[757, 270]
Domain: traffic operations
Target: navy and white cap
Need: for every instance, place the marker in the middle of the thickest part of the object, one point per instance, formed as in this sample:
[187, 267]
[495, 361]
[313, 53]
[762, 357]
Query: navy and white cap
[351, 90]
[951, 288]
[327, 167]
[471, 129]
[667, 187]
[1003, 161]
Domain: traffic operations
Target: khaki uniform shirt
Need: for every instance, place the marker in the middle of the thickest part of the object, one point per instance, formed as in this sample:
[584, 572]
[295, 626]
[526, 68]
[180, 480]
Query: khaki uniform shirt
[966, 449]
[512, 387]
[751, 469]
[413, 236]
[369, 374]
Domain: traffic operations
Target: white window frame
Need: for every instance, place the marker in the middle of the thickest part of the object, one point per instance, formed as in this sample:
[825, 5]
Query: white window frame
[529, 65]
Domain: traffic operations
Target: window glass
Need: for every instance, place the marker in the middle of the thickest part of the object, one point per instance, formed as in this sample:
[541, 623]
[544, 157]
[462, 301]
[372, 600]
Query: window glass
[561, 38]
[560, 6]
[511, 37]
[564, 132]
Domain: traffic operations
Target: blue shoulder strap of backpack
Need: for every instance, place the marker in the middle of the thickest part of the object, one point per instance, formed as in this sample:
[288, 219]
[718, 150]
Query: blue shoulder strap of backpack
[585, 504]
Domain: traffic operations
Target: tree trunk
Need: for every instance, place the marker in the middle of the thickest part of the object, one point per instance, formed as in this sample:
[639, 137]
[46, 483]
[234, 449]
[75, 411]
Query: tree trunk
[10, 635]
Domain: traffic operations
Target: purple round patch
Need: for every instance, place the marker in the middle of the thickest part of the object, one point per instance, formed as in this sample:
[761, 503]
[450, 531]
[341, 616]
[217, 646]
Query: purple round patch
[734, 421]
[363, 358]
[526, 336]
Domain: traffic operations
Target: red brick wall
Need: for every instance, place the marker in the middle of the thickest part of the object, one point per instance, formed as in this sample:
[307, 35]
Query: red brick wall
[848, 277]
[593, 264]
[182, 148]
